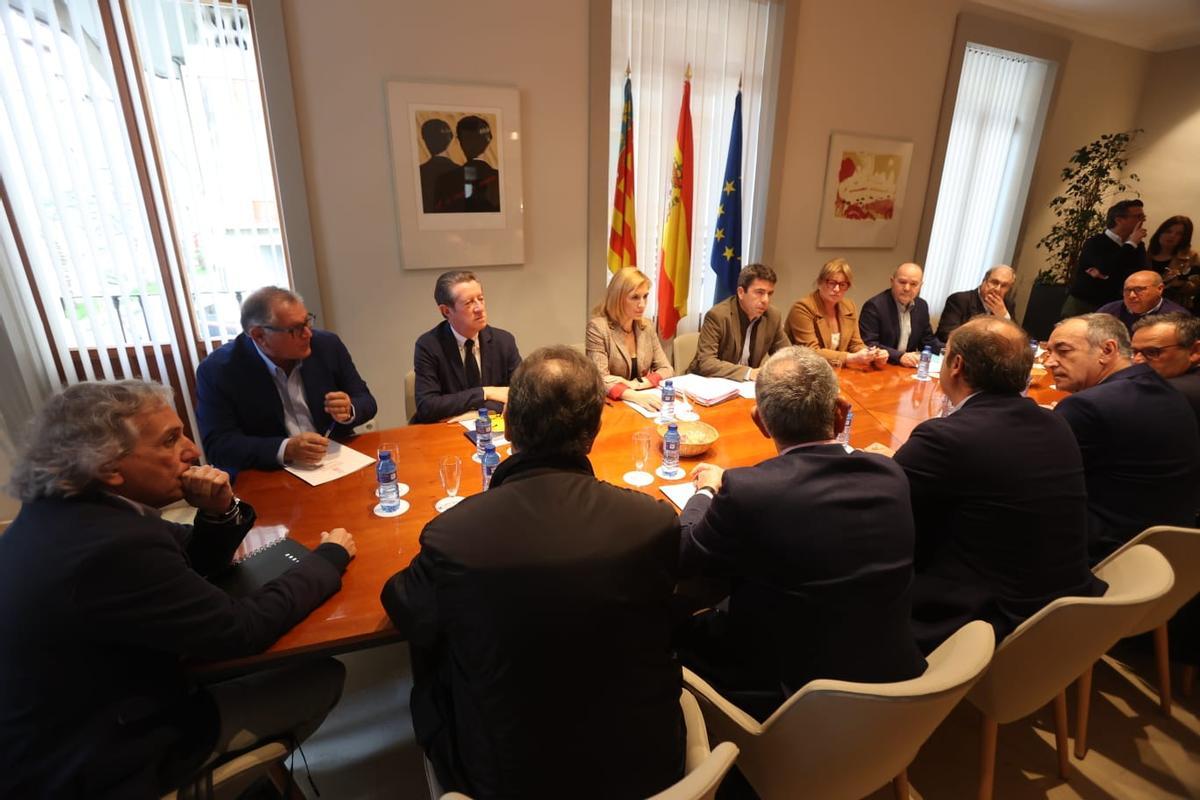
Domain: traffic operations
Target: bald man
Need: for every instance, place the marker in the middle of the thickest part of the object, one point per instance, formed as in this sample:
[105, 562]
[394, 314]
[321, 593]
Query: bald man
[992, 298]
[1142, 296]
[897, 319]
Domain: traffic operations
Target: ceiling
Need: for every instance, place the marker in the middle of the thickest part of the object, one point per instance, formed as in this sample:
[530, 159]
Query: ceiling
[1155, 25]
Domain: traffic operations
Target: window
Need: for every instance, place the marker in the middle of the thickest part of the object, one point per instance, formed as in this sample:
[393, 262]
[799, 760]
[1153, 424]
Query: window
[992, 146]
[724, 43]
[137, 183]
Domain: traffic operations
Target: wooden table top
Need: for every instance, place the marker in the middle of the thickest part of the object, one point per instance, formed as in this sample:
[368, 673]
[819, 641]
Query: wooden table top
[887, 404]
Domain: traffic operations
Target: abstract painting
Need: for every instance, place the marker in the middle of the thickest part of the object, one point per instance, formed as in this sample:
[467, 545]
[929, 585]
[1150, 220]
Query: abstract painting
[864, 191]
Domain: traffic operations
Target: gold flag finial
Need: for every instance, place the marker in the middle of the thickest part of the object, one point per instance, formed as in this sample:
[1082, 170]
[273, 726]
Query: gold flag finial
[627, 69]
[687, 76]
[739, 81]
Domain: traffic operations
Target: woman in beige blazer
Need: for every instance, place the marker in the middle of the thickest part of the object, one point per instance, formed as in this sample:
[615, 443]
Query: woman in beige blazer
[827, 320]
[624, 346]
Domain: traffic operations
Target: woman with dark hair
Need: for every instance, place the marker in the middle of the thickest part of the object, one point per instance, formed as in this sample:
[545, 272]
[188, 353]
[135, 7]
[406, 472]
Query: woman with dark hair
[1170, 254]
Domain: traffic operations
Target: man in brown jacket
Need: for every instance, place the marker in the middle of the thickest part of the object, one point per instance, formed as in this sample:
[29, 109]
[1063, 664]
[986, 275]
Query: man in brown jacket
[741, 331]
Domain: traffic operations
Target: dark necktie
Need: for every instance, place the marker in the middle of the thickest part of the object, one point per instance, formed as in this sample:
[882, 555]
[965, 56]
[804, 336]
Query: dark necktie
[470, 365]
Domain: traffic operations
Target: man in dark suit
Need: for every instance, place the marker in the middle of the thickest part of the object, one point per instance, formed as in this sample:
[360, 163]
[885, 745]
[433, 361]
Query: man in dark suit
[1138, 435]
[997, 494]
[537, 614]
[1107, 259]
[1142, 297]
[272, 395]
[898, 319]
[463, 363]
[993, 298]
[101, 599]
[1170, 344]
[741, 331]
[815, 543]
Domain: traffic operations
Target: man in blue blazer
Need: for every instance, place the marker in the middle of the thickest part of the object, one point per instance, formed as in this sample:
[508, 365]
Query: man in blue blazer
[463, 363]
[1137, 433]
[997, 494]
[274, 394]
[816, 545]
[898, 319]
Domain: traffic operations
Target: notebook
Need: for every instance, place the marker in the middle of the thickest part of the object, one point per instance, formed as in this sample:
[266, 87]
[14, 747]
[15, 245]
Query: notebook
[247, 575]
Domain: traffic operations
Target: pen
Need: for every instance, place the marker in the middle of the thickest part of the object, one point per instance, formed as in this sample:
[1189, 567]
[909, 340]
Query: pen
[329, 430]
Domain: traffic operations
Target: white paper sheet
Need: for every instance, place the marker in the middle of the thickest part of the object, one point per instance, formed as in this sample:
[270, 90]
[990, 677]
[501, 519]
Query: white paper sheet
[339, 461]
[679, 493]
[498, 439]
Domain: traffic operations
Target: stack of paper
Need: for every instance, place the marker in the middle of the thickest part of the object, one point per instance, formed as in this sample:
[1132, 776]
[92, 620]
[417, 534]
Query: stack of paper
[707, 391]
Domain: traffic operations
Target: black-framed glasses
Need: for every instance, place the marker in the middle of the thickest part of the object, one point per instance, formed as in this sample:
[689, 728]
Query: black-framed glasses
[833, 285]
[1153, 353]
[295, 331]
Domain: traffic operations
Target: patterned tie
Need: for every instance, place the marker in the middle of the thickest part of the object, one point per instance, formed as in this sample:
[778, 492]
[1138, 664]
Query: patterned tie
[470, 365]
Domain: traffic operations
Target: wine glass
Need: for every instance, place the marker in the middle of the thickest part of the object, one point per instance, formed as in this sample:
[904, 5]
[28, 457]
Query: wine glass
[642, 441]
[450, 473]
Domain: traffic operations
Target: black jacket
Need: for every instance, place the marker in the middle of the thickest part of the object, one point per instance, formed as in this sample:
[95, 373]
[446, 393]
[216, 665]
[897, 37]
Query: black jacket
[538, 620]
[1141, 455]
[1116, 261]
[962, 307]
[98, 605]
[1001, 513]
[879, 324]
[441, 383]
[817, 544]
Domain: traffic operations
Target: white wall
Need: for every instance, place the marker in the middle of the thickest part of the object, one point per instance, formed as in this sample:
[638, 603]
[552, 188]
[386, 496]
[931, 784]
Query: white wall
[341, 56]
[1167, 155]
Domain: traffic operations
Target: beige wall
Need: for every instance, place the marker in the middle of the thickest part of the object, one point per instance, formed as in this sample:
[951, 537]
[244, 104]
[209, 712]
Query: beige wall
[341, 56]
[1167, 155]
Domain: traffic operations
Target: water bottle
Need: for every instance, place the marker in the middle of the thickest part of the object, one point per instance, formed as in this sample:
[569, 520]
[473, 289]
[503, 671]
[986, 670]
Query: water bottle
[491, 460]
[389, 491]
[844, 436]
[483, 433]
[667, 413]
[923, 365]
[670, 461]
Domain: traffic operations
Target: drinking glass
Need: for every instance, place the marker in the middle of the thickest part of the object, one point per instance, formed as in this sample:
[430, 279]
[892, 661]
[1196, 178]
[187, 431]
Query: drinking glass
[684, 410]
[450, 473]
[642, 442]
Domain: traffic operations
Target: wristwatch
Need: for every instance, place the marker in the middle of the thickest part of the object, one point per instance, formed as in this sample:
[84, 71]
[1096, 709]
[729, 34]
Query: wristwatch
[229, 515]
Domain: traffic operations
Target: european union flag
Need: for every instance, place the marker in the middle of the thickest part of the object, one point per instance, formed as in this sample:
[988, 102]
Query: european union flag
[726, 257]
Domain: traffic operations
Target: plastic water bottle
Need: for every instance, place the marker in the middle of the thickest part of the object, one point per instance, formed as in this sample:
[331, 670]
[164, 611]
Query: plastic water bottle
[483, 433]
[667, 413]
[389, 491]
[923, 365]
[844, 436]
[670, 461]
[491, 460]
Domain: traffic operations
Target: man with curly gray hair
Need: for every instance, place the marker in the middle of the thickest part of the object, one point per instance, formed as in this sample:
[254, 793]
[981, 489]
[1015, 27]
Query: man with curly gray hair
[101, 600]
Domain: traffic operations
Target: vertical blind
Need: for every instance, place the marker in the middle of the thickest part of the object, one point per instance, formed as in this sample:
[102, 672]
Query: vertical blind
[989, 156]
[137, 185]
[723, 41]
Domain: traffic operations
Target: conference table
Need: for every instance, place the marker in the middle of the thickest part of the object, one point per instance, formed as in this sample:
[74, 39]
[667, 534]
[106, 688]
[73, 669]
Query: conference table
[887, 403]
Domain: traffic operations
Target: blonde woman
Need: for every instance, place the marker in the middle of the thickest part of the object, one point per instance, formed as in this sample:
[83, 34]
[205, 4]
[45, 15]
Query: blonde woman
[827, 320]
[623, 345]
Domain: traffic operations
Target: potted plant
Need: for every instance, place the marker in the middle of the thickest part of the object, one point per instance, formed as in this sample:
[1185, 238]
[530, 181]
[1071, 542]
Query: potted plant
[1093, 175]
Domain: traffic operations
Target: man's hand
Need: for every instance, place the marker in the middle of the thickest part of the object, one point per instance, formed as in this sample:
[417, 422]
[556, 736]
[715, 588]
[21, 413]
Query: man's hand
[208, 489]
[337, 405]
[1097, 274]
[305, 448]
[646, 398]
[753, 374]
[497, 393]
[880, 449]
[341, 537]
[879, 356]
[1138, 234]
[861, 359]
[995, 304]
[710, 475]
[910, 359]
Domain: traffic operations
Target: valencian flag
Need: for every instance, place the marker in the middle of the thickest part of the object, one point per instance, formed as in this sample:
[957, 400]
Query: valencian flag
[622, 248]
[675, 258]
[726, 258]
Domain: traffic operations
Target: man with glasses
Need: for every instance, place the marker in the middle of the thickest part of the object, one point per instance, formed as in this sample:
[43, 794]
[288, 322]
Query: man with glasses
[1138, 435]
[276, 394]
[1170, 344]
[1143, 297]
[992, 298]
[1107, 258]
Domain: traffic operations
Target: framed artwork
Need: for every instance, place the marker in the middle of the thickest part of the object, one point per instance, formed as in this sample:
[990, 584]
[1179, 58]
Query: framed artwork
[456, 170]
[864, 191]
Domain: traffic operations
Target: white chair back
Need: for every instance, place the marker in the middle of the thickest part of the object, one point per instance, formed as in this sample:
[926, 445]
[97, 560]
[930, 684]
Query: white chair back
[683, 351]
[1181, 547]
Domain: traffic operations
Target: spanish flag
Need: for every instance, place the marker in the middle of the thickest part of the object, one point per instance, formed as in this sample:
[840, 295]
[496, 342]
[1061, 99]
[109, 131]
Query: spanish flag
[622, 246]
[674, 270]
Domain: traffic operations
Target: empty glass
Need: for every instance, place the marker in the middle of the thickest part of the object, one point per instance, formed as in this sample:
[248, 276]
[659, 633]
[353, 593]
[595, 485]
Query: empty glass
[450, 473]
[642, 442]
[684, 410]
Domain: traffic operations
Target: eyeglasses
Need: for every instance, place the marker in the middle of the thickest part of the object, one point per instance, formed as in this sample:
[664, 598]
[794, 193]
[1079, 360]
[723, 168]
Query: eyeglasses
[833, 285]
[1153, 353]
[296, 331]
[1137, 290]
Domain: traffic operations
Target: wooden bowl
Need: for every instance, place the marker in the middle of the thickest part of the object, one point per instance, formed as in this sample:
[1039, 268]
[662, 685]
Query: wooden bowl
[695, 438]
